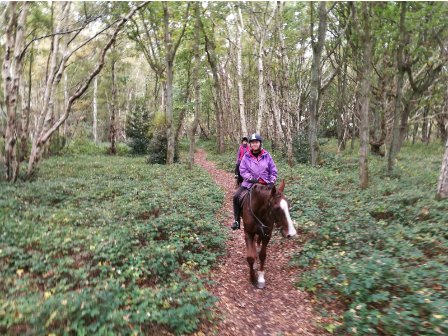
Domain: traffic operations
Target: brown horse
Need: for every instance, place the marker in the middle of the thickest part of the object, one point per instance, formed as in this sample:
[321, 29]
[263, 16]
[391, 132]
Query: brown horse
[264, 208]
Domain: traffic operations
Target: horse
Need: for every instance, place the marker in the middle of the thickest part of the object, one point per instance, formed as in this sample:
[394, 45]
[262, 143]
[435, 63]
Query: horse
[263, 208]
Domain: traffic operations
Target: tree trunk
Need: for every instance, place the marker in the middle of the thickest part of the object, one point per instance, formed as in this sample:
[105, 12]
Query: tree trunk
[170, 53]
[210, 49]
[316, 80]
[112, 128]
[26, 114]
[95, 111]
[425, 124]
[12, 76]
[196, 87]
[428, 138]
[414, 133]
[365, 92]
[239, 66]
[442, 185]
[276, 114]
[285, 82]
[393, 151]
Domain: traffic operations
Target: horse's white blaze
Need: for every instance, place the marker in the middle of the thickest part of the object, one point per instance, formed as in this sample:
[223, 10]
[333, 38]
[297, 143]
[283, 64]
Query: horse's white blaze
[261, 276]
[291, 230]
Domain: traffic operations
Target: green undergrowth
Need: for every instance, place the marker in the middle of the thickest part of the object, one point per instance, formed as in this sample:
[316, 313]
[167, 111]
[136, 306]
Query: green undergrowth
[381, 253]
[104, 245]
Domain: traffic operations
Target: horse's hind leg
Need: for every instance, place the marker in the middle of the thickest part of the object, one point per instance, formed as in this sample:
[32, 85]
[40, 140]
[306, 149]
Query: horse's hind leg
[251, 255]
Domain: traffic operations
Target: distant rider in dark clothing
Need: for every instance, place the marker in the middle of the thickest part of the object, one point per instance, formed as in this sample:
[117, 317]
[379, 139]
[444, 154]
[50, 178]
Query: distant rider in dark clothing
[243, 149]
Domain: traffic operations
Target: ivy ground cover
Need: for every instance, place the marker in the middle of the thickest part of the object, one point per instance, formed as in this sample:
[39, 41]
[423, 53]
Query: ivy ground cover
[107, 245]
[381, 251]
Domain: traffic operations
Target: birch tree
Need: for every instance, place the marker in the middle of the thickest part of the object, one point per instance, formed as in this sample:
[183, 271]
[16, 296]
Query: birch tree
[45, 128]
[196, 86]
[262, 29]
[239, 61]
[13, 61]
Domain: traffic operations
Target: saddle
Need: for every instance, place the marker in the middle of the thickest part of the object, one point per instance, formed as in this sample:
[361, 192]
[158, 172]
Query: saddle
[242, 198]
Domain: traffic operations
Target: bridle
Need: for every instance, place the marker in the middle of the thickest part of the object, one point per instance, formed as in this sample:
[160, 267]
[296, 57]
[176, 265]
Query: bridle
[261, 225]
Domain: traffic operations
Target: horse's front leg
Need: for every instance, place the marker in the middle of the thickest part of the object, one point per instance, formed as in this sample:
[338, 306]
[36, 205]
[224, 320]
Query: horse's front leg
[251, 255]
[261, 283]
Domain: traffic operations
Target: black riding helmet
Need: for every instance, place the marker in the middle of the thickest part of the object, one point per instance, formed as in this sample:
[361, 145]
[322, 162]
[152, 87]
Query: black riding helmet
[255, 137]
[244, 139]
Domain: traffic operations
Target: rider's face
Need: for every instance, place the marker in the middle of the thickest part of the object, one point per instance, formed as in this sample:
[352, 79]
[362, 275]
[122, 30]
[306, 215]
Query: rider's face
[244, 142]
[255, 145]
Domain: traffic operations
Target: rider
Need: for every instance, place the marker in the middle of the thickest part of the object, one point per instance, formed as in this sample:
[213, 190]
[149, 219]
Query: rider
[243, 149]
[256, 166]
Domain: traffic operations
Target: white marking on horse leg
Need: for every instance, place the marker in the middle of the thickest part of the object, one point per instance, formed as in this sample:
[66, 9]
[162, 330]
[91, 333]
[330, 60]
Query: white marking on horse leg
[261, 276]
[291, 230]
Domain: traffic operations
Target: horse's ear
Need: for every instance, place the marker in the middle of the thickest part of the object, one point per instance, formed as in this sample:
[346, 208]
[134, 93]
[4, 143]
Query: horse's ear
[282, 186]
[273, 191]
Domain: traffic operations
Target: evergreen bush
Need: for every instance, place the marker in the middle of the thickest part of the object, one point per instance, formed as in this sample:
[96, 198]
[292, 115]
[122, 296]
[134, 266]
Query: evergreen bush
[138, 130]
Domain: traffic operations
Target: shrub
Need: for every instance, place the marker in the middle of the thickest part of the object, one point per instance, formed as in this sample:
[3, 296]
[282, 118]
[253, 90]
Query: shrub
[157, 149]
[138, 129]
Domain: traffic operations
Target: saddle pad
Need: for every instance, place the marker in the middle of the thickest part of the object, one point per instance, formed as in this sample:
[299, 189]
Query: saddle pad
[242, 196]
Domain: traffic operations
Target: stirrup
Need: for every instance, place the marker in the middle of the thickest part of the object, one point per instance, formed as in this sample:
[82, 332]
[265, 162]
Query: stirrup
[235, 226]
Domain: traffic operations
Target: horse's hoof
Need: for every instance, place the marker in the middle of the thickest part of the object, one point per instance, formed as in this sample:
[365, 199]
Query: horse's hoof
[261, 285]
[255, 266]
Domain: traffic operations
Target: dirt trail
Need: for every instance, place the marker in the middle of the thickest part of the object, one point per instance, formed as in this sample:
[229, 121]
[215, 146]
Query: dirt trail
[278, 309]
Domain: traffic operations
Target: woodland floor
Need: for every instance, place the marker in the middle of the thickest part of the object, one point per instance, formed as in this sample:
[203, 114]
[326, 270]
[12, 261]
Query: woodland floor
[279, 308]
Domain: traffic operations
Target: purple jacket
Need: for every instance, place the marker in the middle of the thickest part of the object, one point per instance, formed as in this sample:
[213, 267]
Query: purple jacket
[264, 168]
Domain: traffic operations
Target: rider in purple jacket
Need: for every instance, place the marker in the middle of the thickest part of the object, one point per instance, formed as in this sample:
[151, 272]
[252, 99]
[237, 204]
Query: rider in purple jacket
[256, 166]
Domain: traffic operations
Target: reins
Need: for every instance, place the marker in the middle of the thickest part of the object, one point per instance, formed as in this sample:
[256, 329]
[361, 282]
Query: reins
[261, 226]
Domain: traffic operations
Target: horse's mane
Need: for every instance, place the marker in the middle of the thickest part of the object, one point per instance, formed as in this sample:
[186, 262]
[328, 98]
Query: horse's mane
[263, 190]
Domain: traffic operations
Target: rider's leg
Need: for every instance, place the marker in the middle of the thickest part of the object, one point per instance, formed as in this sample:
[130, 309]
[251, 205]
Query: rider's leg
[236, 208]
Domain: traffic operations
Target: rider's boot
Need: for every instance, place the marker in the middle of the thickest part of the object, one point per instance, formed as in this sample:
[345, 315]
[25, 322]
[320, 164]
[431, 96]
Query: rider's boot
[235, 225]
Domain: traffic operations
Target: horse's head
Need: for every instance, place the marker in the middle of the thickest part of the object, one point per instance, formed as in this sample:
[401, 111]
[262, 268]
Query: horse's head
[280, 210]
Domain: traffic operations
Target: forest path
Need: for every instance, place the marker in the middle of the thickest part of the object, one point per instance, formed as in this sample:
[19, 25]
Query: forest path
[279, 308]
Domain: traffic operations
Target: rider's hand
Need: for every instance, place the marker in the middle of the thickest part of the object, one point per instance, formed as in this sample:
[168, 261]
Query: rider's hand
[236, 176]
[272, 184]
[253, 181]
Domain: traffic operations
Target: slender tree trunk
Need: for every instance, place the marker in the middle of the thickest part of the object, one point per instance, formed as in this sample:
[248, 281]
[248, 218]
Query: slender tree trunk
[170, 53]
[196, 87]
[285, 82]
[276, 114]
[414, 134]
[428, 138]
[210, 48]
[239, 30]
[352, 143]
[365, 91]
[442, 185]
[26, 113]
[112, 128]
[315, 80]
[425, 124]
[12, 76]
[393, 151]
[95, 112]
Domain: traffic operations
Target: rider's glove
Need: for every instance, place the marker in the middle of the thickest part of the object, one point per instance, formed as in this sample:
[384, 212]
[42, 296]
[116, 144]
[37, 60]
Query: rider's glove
[253, 181]
[272, 184]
